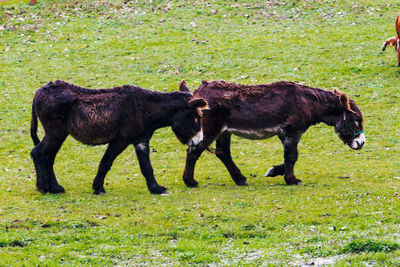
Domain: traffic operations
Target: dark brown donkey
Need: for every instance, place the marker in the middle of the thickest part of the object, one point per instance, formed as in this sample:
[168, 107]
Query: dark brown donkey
[261, 111]
[118, 116]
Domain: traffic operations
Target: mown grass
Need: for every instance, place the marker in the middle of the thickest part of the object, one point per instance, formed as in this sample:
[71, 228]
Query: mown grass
[347, 212]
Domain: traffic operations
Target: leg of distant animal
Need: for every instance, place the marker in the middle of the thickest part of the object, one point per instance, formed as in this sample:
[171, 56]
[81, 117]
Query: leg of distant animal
[223, 152]
[43, 156]
[143, 154]
[277, 169]
[114, 149]
[290, 155]
[392, 41]
[384, 46]
[398, 52]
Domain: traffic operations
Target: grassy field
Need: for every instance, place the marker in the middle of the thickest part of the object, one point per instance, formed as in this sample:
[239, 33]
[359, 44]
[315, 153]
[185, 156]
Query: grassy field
[347, 212]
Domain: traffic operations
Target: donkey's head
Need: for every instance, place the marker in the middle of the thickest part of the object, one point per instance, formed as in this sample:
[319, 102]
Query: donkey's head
[349, 125]
[186, 123]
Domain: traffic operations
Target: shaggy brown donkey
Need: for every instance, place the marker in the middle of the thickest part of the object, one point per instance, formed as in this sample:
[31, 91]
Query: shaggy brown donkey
[283, 108]
[118, 116]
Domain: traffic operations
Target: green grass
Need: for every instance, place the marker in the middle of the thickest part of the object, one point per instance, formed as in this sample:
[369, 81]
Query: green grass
[100, 44]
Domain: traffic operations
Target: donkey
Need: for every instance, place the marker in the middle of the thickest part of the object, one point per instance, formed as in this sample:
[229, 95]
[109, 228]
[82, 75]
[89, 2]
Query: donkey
[394, 41]
[283, 108]
[118, 117]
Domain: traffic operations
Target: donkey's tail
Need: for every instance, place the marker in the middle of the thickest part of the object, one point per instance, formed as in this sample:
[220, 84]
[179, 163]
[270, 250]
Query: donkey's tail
[34, 124]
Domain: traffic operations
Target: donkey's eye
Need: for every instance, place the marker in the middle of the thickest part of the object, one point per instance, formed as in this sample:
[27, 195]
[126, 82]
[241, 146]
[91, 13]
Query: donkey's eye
[196, 120]
[356, 123]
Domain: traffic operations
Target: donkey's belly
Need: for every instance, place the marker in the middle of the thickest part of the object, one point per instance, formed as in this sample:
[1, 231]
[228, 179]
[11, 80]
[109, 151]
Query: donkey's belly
[93, 135]
[92, 129]
[255, 133]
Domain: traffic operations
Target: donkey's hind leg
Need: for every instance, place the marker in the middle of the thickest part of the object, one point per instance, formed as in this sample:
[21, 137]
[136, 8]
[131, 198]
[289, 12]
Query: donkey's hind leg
[223, 152]
[43, 156]
[275, 171]
[42, 177]
[52, 149]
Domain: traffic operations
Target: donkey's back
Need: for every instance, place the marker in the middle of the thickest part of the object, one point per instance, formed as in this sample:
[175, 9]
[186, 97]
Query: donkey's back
[90, 116]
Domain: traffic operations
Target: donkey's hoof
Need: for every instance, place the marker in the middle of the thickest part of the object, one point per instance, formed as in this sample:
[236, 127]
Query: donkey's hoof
[57, 190]
[275, 171]
[42, 190]
[158, 190]
[191, 183]
[99, 191]
[294, 182]
[270, 172]
[242, 183]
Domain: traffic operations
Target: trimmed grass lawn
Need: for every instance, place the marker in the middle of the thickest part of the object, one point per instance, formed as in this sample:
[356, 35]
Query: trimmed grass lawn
[347, 211]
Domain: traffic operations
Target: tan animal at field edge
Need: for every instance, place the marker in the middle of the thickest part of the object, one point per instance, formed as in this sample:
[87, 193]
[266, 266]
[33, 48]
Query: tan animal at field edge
[394, 41]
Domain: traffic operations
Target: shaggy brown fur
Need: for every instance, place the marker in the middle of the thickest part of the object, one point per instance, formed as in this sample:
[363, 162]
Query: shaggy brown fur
[118, 116]
[261, 111]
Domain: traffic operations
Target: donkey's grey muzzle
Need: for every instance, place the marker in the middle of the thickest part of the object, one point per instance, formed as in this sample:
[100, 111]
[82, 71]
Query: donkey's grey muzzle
[195, 140]
[358, 142]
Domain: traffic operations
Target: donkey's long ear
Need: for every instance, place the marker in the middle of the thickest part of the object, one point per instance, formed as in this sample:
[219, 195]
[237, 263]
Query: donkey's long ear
[336, 91]
[344, 101]
[183, 87]
[199, 104]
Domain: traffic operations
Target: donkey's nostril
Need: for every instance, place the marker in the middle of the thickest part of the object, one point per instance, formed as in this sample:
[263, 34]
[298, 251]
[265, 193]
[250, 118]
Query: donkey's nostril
[360, 144]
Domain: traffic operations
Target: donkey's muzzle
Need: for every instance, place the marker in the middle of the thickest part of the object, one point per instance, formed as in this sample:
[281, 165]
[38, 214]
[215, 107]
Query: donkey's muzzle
[195, 140]
[358, 142]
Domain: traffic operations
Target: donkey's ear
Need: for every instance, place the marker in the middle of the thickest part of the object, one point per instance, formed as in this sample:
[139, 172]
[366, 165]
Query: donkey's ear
[198, 103]
[344, 101]
[336, 91]
[183, 87]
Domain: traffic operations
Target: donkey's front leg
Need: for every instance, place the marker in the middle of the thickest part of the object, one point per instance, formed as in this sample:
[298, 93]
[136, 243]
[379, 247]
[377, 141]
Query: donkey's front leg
[142, 152]
[290, 142]
[114, 149]
[223, 152]
[192, 155]
[211, 131]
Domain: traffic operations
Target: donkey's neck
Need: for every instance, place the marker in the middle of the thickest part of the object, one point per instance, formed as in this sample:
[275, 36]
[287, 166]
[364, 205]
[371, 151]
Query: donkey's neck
[168, 106]
[327, 109]
[330, 115]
